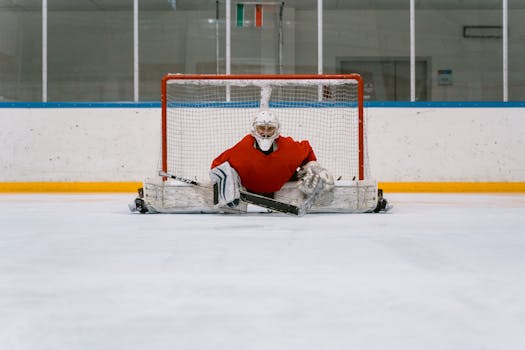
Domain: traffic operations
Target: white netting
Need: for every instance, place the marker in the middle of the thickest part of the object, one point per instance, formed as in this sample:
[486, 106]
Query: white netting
[207, 116]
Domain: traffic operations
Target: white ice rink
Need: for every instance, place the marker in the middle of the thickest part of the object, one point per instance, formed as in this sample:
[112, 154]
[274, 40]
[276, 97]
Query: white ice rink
[441, 271]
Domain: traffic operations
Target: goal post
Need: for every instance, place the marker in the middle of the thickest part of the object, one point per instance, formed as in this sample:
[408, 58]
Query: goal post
[203, 115]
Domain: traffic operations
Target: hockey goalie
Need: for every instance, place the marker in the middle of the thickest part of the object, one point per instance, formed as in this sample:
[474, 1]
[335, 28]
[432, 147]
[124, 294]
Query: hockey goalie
[266, 169]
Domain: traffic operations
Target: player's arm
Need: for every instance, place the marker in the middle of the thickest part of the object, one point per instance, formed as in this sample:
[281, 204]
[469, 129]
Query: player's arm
[223, 157]
[312, 176]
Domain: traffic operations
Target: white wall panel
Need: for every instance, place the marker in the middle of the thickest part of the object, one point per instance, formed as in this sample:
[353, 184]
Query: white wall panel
[405, 144]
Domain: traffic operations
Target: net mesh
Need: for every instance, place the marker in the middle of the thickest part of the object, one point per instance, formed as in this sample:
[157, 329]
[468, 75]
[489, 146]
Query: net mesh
[205, 117]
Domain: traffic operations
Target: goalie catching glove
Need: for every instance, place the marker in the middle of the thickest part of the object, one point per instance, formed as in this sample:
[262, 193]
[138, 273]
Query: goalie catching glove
[227, 181]
[314, 178]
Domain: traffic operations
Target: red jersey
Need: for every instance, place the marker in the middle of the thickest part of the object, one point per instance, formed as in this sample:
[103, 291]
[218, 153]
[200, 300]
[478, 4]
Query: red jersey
[263, 173]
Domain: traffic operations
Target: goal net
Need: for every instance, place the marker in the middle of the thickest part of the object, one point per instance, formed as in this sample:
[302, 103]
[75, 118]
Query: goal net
[203, 115]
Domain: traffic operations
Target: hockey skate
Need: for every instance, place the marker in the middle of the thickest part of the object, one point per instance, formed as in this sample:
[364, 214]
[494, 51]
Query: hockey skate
[138, 204]
[382, 204]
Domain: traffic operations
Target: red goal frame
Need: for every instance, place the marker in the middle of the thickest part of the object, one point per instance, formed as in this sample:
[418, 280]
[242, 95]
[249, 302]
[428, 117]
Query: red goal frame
[355, 77]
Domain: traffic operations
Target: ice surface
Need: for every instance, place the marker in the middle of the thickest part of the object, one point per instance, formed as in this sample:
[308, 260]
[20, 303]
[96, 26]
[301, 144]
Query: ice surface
[442, 271]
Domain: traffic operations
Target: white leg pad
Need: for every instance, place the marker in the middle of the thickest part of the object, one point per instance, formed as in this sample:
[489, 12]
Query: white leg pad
[179, 197]
[344, 197]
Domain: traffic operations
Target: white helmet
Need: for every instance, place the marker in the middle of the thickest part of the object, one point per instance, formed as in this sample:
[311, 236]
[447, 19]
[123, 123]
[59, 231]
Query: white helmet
[265, 129]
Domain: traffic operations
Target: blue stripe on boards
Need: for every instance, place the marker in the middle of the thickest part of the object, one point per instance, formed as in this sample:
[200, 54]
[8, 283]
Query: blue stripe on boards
[240, 104]
[256, 104]
[444, 104]
[80, 104]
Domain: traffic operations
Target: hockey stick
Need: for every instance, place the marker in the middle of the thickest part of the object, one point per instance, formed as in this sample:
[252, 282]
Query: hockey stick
[249, 197]
[182, 179]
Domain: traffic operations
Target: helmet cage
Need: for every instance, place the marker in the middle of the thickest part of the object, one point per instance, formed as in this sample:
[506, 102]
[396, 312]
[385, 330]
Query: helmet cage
[265, 129]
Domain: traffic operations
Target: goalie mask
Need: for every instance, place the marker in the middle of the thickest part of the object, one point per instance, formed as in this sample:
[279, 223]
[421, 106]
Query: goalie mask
[265, 129]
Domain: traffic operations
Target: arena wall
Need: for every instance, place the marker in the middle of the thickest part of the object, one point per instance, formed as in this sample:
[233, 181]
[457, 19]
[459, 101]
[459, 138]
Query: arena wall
[115, 148]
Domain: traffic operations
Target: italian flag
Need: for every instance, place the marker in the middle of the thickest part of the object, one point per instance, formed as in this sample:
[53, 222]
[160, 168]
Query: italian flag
[258, 16]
